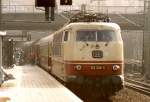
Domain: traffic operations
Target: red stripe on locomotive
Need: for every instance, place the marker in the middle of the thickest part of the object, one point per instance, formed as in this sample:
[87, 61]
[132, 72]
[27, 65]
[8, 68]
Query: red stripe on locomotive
[103, 68]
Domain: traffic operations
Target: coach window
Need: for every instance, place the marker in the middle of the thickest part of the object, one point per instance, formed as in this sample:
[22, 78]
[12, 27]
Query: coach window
[57, 44]
[66, 36]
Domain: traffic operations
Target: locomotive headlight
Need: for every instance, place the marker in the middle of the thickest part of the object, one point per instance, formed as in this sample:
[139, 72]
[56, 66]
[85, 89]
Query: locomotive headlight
[78, 67]
[116, 67]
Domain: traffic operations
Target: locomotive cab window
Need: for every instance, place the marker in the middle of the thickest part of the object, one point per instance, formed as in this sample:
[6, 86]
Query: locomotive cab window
[106, 35]
[66, 34]
[86, 36]
[96, 35]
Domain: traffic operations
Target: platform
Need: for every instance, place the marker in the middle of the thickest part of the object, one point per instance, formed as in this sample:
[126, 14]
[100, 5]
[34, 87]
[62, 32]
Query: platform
[32, 84]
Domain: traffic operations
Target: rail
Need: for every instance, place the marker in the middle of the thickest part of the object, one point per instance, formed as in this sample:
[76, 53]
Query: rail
[138, 86]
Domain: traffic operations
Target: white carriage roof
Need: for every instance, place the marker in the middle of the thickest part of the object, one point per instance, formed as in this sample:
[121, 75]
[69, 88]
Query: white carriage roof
[45, 39]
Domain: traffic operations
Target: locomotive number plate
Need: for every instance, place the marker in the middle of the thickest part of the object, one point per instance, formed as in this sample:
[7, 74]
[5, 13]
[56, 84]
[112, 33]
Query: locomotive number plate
[97, 67]
[97, 54]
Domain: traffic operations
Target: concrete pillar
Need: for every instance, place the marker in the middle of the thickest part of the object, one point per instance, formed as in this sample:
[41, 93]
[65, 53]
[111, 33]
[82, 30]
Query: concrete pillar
[0, 51]
[0, 13]
[0, 37]
[146, 42]
[24, 34]
[83, 8]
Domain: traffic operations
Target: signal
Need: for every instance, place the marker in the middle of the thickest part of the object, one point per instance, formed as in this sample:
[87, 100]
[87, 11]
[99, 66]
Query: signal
[65, 2]
[45, 3]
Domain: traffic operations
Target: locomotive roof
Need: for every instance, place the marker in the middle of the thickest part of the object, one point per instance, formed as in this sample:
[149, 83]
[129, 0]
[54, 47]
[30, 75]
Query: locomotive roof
[77, 24]
[110, 25]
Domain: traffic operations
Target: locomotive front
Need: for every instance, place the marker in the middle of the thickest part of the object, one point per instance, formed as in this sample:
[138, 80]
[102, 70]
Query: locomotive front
[96, 56]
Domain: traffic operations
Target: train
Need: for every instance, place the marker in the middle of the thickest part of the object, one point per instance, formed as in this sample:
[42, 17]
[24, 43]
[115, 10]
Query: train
[83, 53]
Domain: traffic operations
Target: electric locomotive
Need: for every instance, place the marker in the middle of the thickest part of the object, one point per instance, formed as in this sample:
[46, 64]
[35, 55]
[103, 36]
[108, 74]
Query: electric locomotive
[85, 53]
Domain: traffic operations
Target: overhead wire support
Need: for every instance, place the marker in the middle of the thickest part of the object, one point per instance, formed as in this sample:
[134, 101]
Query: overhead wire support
[89, 17]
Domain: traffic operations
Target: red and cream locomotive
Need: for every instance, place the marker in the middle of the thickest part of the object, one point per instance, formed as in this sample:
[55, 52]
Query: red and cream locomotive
[84, 53]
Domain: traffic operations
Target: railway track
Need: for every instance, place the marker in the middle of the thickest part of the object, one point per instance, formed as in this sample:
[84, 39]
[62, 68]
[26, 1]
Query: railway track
[138, 86]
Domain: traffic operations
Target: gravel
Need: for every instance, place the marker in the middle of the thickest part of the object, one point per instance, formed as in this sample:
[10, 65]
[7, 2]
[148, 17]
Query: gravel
[128, 95]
